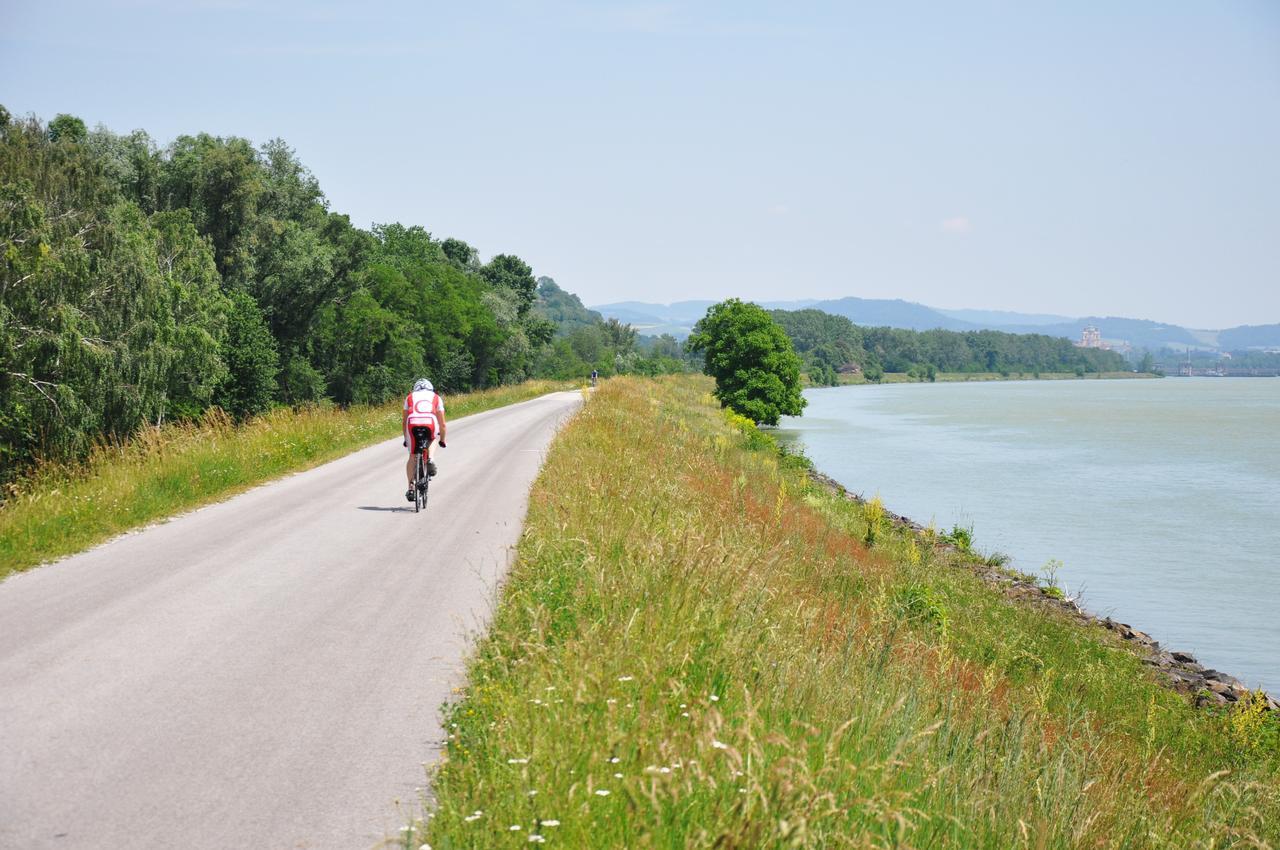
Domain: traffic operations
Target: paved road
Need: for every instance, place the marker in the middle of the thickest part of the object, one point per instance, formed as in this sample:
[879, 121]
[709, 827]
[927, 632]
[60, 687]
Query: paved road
[266, 672]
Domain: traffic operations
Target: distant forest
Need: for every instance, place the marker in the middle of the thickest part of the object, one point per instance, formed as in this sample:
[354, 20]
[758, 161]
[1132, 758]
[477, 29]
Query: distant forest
[141, 284]
[829, 344]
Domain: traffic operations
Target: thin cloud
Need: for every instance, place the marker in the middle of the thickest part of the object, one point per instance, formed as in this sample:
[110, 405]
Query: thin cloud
[957, 224]
[632, 17]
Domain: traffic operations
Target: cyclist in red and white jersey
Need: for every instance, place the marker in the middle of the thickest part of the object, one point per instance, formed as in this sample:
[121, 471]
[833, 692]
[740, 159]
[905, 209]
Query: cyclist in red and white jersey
[422, 407]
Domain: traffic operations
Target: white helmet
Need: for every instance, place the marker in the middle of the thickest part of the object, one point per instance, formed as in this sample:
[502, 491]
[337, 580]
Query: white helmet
[423, 384]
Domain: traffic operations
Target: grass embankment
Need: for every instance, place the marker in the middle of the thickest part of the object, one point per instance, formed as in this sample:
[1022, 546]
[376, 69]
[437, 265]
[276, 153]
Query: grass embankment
[963, 377]
[698, 646]
[62, 509]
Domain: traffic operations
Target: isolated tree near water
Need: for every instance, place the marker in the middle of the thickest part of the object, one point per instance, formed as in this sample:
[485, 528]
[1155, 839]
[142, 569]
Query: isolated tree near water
[756, 369]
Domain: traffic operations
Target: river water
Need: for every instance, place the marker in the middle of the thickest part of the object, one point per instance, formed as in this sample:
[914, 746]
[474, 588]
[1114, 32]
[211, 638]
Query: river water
[1161, 498]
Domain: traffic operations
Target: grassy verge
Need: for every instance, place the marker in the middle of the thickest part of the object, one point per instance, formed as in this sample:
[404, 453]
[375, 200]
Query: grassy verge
[63, 509]
[698, 646]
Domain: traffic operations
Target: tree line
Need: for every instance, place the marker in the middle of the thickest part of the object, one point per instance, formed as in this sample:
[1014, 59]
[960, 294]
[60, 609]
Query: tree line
[141, 284]
[829, 344]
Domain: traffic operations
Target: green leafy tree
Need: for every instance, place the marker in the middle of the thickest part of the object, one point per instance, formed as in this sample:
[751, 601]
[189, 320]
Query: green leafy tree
[756, 368]
[462, 255]
[67, 128]
[509, 272]
[251, 357]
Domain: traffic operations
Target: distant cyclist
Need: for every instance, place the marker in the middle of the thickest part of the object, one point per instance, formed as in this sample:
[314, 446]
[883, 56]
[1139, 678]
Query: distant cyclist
[595, 375]
[422, 408]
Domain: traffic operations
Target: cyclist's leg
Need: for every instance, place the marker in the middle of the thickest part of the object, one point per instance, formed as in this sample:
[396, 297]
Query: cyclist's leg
[426, 454]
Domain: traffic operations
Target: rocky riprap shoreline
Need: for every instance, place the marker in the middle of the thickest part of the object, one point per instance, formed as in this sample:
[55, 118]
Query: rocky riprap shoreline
[1177, 670]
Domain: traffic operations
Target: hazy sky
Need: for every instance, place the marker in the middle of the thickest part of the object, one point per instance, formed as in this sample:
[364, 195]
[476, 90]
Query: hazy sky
[1077, 157]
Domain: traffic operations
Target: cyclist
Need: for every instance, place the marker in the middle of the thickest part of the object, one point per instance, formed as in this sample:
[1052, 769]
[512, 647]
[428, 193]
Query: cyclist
[423, 407]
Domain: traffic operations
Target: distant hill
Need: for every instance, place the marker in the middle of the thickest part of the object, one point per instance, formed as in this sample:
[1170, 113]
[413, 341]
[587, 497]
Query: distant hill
[677, 319]
[563, 308]
[893, 313]
[1250, 336]
[1002, 318]
[1140, 333]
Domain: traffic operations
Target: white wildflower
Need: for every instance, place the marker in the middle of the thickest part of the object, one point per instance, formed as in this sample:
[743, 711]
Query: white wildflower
[719, 745]
[617, 776]
[551, 823]
[515, 827]
[517, 761]
[602, 792]
[715, 698]
[625, 678]
[614, 760]
[535, 838]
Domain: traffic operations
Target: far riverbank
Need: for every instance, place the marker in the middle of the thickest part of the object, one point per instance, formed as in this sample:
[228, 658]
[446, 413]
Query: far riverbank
[858, 379]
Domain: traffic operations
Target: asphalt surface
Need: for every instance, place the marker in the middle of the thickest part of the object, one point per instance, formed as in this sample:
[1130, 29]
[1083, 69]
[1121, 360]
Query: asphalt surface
[265, 672]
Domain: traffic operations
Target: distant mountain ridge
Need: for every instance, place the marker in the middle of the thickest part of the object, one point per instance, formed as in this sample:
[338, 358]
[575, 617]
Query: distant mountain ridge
[678, 319]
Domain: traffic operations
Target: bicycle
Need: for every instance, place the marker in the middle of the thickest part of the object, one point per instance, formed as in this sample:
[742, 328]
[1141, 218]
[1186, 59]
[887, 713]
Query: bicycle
[421, 477]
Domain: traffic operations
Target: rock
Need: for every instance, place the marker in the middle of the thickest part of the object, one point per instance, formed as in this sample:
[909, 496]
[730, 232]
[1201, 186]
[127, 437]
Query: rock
[1184, 657]
[1210, 698]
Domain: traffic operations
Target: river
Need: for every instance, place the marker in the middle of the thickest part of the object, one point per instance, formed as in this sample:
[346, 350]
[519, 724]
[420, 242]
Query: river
[1161, 498]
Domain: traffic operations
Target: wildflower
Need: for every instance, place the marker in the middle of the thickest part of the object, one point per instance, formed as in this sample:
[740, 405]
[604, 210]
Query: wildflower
[517, 761]
[611, 701]
[515, 827]
[625, 678]
[602, 792]
[719, 745]
[684, 714]
[682, 705]
[536, 838]
[550, 823]
[533, 792]
[617, 776]
[614, 760]
[715, 698]
[424, 847]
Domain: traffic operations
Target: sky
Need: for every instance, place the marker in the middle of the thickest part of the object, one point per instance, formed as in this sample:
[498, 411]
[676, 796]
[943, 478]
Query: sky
[1080, 158]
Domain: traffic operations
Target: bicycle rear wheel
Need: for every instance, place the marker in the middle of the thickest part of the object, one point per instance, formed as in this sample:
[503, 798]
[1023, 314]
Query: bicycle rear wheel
[418, 501]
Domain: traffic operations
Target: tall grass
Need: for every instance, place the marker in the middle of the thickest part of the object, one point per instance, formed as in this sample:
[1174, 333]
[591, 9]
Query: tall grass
[62, 509]
[697, 647]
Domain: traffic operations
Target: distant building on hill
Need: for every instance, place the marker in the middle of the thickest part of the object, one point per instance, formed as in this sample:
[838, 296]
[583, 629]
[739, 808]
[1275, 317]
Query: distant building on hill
[1091, 337]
